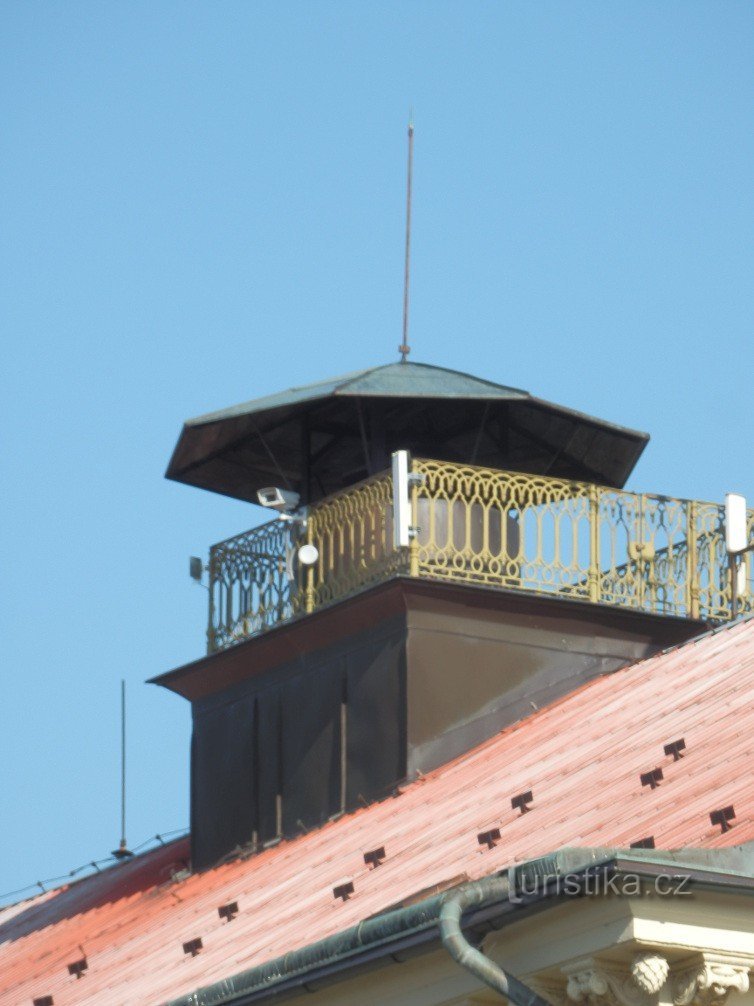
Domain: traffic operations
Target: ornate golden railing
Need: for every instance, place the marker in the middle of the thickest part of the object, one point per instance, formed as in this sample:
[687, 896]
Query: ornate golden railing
[481, 526]
[353, 533]
[554, 536]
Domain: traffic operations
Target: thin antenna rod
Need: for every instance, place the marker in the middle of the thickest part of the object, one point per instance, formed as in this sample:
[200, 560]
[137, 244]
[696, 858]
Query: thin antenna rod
[122, 852]
[123, 763]
[404, 349]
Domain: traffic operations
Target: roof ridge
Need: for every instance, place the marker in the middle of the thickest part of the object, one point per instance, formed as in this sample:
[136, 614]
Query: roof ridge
[431, 366]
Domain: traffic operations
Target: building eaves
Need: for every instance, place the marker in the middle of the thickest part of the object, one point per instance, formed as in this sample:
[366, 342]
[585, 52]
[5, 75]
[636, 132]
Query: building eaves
[416, 927]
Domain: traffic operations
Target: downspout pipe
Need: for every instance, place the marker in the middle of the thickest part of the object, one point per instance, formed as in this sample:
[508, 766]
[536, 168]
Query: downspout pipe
[455, 903]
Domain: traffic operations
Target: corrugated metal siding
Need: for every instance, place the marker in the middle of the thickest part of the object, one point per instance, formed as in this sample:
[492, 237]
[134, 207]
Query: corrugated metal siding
[581, 757]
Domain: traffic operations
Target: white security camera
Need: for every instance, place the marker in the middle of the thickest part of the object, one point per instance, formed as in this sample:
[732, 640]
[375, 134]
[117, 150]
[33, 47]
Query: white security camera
[282, 500]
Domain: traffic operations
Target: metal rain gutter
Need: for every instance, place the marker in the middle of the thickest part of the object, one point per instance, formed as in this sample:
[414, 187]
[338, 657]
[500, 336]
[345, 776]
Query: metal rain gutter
[442, 916]
[386, 934]
[345, 949]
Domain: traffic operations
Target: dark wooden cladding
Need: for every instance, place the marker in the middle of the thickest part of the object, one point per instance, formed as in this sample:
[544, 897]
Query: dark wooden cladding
[268, 736]
[311, 744]
[333, 710]
[375, 748]
[224, 778]
[279, 754]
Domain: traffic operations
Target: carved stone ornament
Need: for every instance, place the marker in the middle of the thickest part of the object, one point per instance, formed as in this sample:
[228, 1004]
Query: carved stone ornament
[553, 991]
[709, 983]
[597, 984]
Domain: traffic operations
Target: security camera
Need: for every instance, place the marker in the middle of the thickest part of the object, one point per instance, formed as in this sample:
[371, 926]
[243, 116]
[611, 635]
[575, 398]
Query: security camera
[282, 500]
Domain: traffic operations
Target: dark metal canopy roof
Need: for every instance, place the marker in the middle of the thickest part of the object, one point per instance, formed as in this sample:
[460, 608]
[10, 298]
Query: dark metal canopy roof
[322, 437]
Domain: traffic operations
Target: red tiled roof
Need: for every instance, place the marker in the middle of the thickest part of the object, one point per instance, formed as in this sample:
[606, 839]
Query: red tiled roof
[582, 758]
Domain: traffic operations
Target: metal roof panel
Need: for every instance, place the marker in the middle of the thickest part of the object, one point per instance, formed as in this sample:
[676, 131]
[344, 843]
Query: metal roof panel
[582, 757]
[393, 380]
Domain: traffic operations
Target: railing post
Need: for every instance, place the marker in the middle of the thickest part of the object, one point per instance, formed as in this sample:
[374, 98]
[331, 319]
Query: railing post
[309, 591]
[211, 605]
[692, 577]
[594, 544]
[309, 571]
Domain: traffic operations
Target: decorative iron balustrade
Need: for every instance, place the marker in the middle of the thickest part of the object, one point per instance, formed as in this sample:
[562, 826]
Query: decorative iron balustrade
[252, 585]
[492, 528]
[256, 580]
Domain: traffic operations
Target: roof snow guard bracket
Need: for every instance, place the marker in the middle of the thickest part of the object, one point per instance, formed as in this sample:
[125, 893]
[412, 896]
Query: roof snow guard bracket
[193, 946]
[676, 749]
[652, 779]
[489, 838]
[343, 891]
[78, 968]
[522, 801]
[723, 817]
[374, 857]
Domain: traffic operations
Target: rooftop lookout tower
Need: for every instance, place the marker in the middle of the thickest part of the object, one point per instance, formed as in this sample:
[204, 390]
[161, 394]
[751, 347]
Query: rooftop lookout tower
[452, 553]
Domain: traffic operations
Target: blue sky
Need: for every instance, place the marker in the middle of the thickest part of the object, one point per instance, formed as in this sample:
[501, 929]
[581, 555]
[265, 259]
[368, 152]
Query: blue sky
[203, 203]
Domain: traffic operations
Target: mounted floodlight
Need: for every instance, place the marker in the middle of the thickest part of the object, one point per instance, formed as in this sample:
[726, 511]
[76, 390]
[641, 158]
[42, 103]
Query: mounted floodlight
[196, 568]
[735, 524]
[282, 500]
[305, 555]
[308, 554]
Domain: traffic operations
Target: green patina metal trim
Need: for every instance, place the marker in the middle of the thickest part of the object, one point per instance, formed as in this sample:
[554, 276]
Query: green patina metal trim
[730, 866]
[394, 380]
